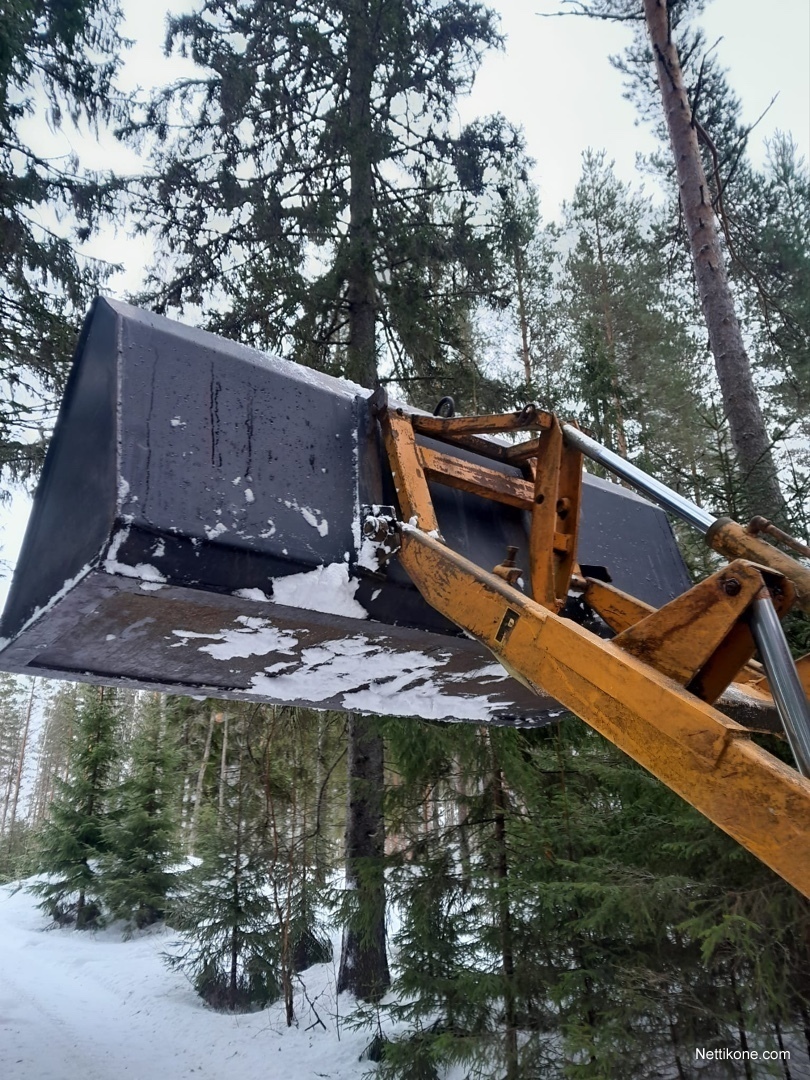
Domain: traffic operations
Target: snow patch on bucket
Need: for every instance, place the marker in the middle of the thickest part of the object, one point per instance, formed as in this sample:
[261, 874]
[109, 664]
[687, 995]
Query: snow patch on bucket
[254, 637]
[326, 588]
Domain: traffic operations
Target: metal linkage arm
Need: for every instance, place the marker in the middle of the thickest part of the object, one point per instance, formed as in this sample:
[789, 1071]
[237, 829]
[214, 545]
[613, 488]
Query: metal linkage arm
[724, 535]
[649, 690]
[701, 754]
[730, 539]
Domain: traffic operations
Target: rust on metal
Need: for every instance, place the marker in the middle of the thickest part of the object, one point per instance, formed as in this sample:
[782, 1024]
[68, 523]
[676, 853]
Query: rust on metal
[410, 483]
[731, 540]
[619, 610]
[760, 524]
[522, 452]
[528, 419]
[699, 639]
[507, 569]
[749, 703]
[649, 690]
[478, 479]
[557, 471]
[802, 667]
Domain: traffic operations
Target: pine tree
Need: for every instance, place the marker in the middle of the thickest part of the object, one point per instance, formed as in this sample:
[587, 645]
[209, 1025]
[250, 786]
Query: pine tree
[632, 354]
[53, 747]
[16, 706]
[527, 256]
[697, 152]
[11, 727]
[135, 875]
[73, 838]
[769, 217]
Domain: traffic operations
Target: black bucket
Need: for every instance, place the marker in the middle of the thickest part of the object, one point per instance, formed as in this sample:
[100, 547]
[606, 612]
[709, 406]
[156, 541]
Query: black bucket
[197, 530]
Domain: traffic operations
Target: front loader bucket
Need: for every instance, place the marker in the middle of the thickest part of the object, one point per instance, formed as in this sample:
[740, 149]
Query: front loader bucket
[197, 530]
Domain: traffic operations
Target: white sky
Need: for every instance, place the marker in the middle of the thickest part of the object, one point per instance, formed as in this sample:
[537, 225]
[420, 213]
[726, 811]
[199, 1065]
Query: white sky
[554, 78]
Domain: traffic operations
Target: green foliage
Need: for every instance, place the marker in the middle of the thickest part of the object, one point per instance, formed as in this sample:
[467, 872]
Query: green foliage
[590, 924]
[249, 910]
[73, 838]
[60, 57]
[135, 875]
[15, 711]
[313, 169]
[231, 943]
[634, 357]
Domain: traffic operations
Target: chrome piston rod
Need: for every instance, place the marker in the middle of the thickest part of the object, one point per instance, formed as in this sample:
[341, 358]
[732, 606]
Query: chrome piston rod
[658, 492]
[786, 688]
[783, 679]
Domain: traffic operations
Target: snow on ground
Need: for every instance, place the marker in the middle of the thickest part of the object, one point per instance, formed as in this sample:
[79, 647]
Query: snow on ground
[91, 1006]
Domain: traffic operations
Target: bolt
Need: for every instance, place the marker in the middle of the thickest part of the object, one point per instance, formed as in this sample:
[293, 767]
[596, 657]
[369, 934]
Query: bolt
[375, 528]
[732, 587]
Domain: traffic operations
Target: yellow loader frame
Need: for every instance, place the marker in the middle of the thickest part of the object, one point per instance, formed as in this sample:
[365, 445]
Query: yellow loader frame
[651, 689]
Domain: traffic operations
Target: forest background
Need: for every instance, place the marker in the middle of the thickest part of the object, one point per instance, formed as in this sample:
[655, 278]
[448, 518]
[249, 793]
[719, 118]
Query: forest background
[559, 913]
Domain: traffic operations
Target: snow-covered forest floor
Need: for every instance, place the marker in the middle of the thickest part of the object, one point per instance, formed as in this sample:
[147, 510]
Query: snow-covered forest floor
[91, 1006]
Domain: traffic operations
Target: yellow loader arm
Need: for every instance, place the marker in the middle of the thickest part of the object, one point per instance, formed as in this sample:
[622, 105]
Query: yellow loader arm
[650, 690]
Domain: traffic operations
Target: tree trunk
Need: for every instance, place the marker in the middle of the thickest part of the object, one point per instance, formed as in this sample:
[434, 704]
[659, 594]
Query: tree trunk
[746, 423]
[610, 341]
[21, 762]
[523, 318]
[362, 291]
[741, 1030]
[363, 960]
[504, 917]
[200, 780]
[781, 1044]
[223, 767]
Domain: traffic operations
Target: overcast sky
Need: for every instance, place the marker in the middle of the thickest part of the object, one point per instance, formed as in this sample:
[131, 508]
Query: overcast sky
[554, 78]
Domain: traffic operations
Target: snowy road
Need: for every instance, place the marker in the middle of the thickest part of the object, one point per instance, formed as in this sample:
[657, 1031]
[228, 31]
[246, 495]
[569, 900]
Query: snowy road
[85, 1006]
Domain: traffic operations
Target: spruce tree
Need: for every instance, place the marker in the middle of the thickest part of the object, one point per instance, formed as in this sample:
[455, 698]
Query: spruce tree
[56, 61]
[312, 191]
[306, 182]
[73, 838]
[230, 945]
[248, 912]
[591, 924]
[135, 874]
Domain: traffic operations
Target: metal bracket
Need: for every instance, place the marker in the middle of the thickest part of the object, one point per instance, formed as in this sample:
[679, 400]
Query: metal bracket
[557, 474]
[701, 639]
[550, 488]
[379, 538]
